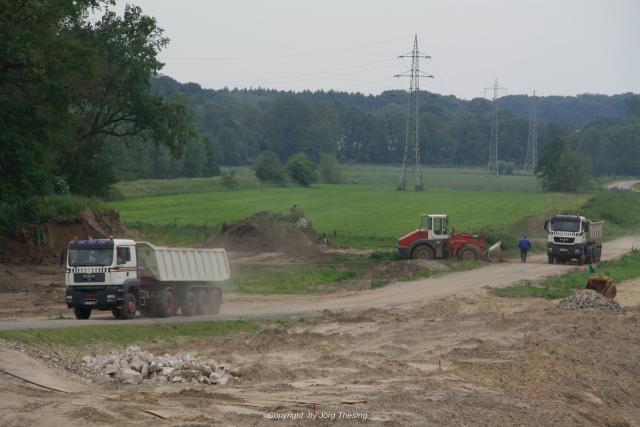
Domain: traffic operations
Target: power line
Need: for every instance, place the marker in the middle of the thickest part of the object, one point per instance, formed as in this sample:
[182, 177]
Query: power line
[531, 156]
[412, 149]
[493, 141]
[284, 56]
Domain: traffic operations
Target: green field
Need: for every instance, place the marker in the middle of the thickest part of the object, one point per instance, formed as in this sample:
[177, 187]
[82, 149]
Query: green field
[359, 215]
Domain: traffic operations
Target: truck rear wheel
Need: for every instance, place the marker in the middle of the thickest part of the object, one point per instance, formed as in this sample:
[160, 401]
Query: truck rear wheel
[202, 303]
[215, 301]
[423, 252]
[81, 312]
[167, 304]
[468, 253]
[189, 304]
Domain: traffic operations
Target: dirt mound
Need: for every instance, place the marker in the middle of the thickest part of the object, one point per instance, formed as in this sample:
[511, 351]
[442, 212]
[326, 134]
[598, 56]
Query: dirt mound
[37, 241]
[269, 232]
[589, 299]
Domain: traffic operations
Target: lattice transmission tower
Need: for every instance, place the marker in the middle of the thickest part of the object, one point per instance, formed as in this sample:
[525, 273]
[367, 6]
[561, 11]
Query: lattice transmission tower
[411, 159]
[531, 157]
[493, 141]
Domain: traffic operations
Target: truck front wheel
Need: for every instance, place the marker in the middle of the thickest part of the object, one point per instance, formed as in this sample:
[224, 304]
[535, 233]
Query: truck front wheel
[551, 259]
[81, 312]
[128, 309]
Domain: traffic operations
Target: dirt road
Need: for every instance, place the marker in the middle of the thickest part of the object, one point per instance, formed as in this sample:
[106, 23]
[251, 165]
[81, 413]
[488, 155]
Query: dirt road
[623, 185]
[265, 307]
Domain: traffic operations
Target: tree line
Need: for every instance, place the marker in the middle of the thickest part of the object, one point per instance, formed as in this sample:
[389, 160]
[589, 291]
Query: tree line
[238, 125]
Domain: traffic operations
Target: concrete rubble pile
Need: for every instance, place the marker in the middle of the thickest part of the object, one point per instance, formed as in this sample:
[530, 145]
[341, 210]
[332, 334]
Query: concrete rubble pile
[133, 366]
[589, 299]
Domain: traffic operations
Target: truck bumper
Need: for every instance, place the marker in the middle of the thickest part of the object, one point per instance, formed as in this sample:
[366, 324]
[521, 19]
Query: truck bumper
[565, 251]
[102, 298]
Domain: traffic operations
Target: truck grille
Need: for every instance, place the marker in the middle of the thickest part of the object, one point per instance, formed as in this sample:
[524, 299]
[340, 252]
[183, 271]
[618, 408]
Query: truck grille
[564, 239]
[88, 277]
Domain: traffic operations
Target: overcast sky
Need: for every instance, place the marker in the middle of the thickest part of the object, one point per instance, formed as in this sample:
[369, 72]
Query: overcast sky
[557, 47]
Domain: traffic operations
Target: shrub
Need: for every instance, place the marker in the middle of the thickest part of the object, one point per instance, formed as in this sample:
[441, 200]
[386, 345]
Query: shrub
[228, 179]
[506, 168]
[301, 169]
[269, 169]
[330, 169]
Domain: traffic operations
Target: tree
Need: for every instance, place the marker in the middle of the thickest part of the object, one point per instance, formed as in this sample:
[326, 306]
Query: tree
[269, 169]
[330, 169]
[194, 160]
[561, 169]
[301, 169]
[212, 148]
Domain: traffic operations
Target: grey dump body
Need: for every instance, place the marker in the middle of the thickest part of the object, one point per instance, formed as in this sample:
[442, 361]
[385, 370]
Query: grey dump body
[574, 237]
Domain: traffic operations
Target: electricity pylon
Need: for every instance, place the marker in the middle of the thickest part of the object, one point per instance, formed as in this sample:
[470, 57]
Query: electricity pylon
[412, 150]
[531, 157]
[493, 141]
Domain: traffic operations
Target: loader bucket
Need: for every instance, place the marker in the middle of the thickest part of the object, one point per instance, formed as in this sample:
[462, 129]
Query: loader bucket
[603, 285]
[494, 254]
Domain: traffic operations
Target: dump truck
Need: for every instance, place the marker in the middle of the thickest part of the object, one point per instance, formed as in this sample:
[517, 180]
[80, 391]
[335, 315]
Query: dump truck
[125, 276]
[573, 237]
[433, 240]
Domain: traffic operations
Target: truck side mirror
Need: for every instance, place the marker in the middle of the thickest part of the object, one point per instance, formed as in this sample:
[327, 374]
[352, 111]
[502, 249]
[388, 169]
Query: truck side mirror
[546, 225]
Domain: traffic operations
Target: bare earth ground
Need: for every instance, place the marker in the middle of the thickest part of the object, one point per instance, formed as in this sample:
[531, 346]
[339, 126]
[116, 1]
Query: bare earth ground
[477, 360]
[441, 351]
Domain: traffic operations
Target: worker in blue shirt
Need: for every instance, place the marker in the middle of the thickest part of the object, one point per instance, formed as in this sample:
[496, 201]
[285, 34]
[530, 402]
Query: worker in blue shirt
[524, 244]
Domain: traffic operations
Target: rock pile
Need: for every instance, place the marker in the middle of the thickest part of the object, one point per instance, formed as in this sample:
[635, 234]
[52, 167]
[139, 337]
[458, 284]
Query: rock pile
[133, 366]
[589, 299]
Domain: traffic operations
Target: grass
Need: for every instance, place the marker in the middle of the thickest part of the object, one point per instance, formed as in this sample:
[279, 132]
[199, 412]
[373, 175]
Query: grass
[301, 279]
[161, 187]
[625, 268]
[126, 334]
[361, 216]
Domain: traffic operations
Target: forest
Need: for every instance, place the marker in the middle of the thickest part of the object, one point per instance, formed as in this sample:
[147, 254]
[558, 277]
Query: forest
[237, 125]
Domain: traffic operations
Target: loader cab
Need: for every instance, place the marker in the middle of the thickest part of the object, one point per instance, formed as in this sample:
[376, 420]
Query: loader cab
[437, 226]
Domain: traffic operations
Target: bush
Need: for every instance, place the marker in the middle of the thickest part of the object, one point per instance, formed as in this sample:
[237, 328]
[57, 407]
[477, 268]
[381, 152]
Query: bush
[301, 169]
[506, 168]
[330, 169]
[269, 169]
[228, 179]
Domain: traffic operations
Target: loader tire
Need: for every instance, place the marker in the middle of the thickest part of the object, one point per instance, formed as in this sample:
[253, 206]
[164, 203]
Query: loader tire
[189, 304]
[82, 313]
[468, 253]
[423, 252]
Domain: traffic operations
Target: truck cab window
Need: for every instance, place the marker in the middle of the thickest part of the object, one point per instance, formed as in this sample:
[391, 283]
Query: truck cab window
[124, 255]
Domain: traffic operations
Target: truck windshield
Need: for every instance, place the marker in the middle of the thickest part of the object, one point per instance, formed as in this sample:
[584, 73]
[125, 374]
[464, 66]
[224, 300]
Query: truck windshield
[87, 257]
[565, 225]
